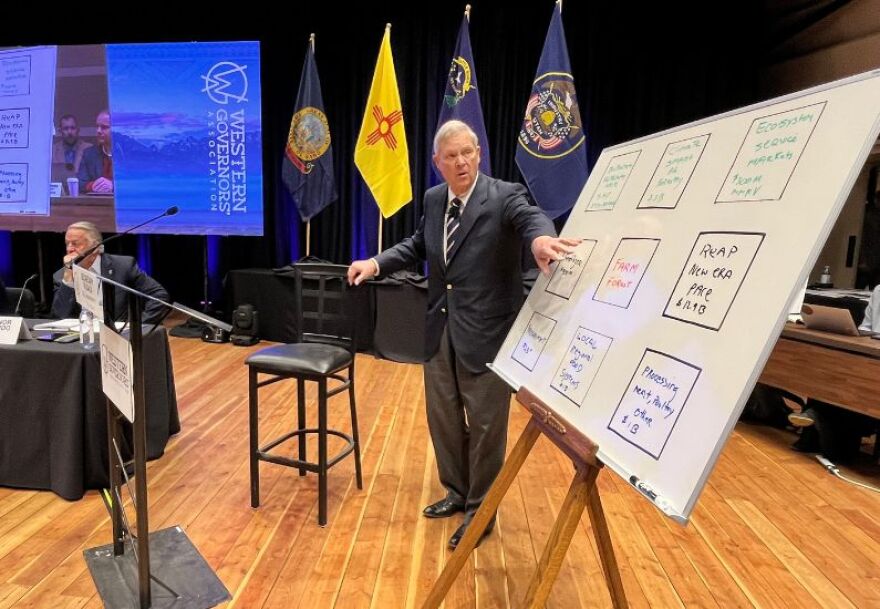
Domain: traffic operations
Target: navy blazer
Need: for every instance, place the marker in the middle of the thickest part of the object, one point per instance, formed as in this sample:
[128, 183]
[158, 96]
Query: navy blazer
[479, 291]
[122, 269]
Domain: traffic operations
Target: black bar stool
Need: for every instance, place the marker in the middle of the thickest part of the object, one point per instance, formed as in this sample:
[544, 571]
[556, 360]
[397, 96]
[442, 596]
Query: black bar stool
[320, 354]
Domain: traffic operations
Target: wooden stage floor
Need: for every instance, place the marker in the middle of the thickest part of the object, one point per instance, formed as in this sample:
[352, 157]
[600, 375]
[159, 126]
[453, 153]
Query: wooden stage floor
[772, 528]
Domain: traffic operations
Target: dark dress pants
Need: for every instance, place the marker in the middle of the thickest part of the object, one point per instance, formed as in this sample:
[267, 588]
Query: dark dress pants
[467, 418]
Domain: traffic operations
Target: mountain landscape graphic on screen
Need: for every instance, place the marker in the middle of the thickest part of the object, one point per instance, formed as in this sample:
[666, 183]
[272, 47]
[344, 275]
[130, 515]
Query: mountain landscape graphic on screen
[187, 132]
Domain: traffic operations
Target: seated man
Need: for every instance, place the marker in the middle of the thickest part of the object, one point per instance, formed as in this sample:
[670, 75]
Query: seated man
[871, 322]
[80, 236]
[837, 432]
[70, 148]
[96, 168]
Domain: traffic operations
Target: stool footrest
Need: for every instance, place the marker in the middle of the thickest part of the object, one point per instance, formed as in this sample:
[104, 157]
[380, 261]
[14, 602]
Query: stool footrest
[263, 453]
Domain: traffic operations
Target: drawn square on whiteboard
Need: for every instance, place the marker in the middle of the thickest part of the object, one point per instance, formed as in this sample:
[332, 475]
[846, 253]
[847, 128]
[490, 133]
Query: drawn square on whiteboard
[673, 172]
[612, 181]
[15, 74]
[15, 125]
[581, 364]
[568, 270]
[625, 271]
[653, 401]
[712, 277]
[769, 155]
[532, 342]
[13, 182]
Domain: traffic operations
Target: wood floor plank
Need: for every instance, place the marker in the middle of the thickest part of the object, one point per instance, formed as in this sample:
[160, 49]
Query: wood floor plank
[401, 550]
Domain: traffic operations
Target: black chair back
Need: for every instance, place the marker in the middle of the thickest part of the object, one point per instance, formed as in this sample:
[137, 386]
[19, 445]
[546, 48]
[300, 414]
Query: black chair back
[324, 312]
[28, 305]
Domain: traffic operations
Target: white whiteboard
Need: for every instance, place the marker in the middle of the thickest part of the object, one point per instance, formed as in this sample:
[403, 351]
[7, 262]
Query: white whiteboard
[27, 98]
[650, 338]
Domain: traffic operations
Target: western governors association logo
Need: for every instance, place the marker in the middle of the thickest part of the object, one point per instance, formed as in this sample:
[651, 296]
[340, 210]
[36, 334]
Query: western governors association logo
[308, 139]
[552, 125]
[226, 81]
[459, 81]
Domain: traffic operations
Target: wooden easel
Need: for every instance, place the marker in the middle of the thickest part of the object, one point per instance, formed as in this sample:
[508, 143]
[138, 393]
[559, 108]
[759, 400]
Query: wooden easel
[583, 493]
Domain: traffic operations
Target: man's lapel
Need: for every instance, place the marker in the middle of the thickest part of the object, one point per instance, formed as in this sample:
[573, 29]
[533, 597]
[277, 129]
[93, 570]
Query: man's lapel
[107, 269]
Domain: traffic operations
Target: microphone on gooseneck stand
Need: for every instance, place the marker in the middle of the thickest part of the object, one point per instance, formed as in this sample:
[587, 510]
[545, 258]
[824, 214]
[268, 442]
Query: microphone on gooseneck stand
[20, 296]
[171, 211]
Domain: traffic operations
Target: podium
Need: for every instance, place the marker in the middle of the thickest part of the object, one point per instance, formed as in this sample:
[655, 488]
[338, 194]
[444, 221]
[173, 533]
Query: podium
[160, 569]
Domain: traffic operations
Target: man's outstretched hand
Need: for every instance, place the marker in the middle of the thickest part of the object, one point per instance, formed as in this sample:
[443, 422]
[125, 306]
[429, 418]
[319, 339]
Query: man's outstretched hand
[360, 271]
[548, 249]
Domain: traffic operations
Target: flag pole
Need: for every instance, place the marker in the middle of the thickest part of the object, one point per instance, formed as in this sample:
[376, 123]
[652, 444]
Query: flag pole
[379, 239]
[309, 221]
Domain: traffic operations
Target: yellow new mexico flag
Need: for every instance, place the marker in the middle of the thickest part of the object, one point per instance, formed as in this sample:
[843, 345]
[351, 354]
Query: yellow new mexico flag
[381, 154]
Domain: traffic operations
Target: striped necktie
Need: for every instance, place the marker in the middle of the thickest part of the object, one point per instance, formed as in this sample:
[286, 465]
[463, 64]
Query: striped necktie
[453, 219]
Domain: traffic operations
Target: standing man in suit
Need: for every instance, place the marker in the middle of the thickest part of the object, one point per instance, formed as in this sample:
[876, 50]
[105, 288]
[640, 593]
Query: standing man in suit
[80, 236]
[70, 148]
[471, 235]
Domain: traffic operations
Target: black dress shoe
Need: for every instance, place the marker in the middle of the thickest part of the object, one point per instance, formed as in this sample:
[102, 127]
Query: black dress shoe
[442, 509]
[460, 531]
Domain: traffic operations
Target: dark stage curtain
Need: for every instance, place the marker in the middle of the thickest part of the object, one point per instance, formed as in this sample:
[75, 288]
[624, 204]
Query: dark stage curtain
[638, 69]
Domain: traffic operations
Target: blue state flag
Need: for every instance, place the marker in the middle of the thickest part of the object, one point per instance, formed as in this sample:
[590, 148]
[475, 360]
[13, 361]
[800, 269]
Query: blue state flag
[551, 147]
[307, 169]
[461, 100]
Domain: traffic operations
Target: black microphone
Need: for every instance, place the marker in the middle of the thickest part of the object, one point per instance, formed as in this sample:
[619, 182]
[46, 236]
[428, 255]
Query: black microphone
[171, 211]
[454, 210]
[20, 296]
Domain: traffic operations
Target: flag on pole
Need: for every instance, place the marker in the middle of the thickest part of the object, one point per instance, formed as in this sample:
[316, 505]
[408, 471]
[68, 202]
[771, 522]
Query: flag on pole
[307, 168]
[381, 154]
[551, 148]
[461, 99]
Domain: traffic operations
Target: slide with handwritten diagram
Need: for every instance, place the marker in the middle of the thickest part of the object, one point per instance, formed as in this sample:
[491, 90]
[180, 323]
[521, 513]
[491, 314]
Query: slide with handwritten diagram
[568, 272]
[649, 337]
[769, 155]
[613, 180]
[711, 277]
[533, 340]
[580, 364]
[653, 401]
[625, 271]
[673, 173]
[27, 95]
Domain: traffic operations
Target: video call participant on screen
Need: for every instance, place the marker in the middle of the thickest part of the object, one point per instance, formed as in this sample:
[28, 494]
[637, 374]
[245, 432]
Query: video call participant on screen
[79, 237]
[474, 294]
[96, 169]
[70, 148]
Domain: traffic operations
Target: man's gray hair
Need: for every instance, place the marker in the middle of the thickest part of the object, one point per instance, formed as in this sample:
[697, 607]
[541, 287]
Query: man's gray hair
[91, 230]
[450, 128]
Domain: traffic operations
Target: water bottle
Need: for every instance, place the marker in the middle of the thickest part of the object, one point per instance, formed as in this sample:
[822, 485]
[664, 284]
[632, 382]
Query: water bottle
[86, 329]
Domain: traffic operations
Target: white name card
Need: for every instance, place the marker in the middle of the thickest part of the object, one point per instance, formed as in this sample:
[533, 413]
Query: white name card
[12, 329]
[89, 293]
[116, 374]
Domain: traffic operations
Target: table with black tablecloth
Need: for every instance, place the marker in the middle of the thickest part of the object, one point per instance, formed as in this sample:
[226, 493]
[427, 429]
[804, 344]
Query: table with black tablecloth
[53, 415]
[273, 295]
